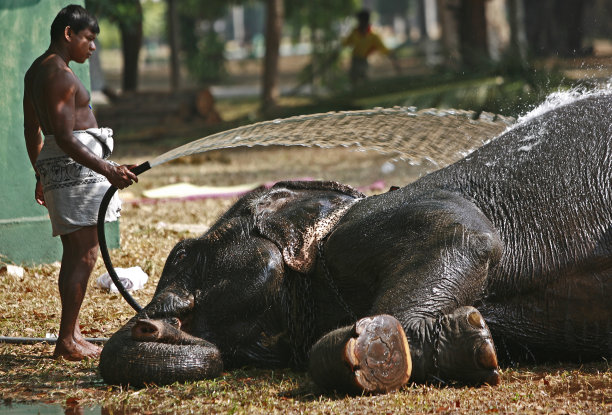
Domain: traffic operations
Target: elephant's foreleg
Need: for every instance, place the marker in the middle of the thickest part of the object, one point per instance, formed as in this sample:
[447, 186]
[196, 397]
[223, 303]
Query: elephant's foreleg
[430, 256]
[370, 356]
[461, 348]
[449, 339]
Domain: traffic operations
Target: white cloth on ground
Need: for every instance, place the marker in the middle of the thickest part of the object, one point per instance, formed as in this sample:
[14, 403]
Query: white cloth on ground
[73, 192]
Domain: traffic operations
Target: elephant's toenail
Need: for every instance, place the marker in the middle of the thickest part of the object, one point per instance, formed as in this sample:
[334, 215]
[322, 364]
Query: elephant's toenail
[476, 320]
[485, 355]
[350, 353]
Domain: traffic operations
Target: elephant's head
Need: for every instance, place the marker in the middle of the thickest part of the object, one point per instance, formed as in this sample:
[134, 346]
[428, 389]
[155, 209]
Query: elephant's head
[219, 299]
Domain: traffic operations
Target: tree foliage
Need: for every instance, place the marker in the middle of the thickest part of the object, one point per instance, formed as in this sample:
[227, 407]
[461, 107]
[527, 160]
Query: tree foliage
[128, 16]
[321, 15]
[202, 45]
[321, 19]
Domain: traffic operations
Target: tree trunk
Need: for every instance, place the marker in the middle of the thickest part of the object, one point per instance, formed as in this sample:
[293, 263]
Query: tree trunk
[131, 40]
[473, 32]
[555, 26]
[421, 20]
[518, 36]
[448, 18]
[173, 38]
[571, 13]
[274, 25]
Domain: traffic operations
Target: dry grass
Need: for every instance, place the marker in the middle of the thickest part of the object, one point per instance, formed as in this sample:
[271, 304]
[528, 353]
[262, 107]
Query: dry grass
[29, 375]
[29, 306]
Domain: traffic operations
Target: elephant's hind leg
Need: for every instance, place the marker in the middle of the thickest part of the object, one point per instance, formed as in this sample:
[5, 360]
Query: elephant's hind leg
[372, 356]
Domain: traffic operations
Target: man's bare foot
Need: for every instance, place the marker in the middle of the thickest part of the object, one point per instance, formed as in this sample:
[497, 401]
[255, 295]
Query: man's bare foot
[88, 345]
[75, 350]
[95, 350]
[78, 338]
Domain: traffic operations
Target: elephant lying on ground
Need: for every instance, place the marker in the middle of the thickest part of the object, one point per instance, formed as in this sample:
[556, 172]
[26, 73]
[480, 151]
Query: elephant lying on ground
[371, 292]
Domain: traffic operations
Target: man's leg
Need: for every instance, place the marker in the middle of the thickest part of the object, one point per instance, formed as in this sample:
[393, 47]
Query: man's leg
[359, 70]
[78, 260]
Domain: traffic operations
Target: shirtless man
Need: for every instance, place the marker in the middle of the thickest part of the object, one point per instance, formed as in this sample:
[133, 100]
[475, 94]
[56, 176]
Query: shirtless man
[56, 104]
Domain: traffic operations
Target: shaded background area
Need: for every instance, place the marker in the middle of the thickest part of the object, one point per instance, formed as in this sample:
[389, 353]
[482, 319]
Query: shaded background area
[170, 71]
[201, 70]
[205, 68]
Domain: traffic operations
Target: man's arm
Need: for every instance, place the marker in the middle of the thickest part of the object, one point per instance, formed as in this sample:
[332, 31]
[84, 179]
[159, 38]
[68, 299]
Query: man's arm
[349, 40]
[380, 45]
[62, 114]
[33, 139]
[31, 130]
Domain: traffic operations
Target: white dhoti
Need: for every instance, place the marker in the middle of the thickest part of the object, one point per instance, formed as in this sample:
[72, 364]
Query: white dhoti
[72, 191]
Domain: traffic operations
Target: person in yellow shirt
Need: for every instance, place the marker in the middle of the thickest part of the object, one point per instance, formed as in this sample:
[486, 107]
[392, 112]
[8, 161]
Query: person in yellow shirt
[364, 42]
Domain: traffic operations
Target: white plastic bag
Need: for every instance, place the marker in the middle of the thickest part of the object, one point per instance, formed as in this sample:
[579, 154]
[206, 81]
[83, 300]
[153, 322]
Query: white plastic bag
[133, 279]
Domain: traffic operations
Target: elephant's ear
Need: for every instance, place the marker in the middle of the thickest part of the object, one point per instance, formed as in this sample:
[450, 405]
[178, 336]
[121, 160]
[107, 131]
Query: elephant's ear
[297, 215]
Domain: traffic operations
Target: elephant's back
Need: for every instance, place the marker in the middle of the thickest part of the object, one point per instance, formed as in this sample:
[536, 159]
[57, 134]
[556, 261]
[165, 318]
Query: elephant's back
[545, 185]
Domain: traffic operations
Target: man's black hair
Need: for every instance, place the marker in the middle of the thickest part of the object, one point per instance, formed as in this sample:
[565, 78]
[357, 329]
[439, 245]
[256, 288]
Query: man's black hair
[76, 17]
[363, 15]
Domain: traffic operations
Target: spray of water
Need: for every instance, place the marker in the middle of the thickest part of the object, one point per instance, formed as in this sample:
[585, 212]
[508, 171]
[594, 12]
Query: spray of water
[561, 98]
[555, 100]
[442, 136]
[439, 136]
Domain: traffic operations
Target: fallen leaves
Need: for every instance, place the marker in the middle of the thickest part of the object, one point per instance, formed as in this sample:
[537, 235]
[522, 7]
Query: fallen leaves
[30, 306]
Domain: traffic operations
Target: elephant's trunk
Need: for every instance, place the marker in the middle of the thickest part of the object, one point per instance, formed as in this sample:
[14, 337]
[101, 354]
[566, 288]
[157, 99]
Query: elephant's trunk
[153, 351]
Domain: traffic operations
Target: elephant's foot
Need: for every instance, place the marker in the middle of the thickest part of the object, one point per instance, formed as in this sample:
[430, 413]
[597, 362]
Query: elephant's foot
[379, 354]
[372, 356]
[463, 348]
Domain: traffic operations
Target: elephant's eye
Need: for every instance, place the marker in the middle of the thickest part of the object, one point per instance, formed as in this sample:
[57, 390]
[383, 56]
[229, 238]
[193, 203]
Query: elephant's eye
[180, 254]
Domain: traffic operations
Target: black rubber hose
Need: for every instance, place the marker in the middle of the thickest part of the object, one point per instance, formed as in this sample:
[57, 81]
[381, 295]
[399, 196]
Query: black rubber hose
[102, 238]
[50, 340]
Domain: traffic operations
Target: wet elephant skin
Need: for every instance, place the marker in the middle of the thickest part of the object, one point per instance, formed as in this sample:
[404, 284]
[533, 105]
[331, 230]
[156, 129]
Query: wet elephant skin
[506, 253]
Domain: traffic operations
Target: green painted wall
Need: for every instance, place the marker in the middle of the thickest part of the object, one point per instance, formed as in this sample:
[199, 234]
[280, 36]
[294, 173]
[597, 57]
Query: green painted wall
[25, 230]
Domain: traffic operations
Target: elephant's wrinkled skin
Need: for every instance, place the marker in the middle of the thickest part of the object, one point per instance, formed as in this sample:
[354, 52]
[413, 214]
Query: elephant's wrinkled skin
[521, 229]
